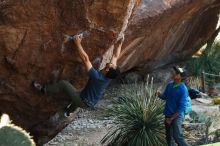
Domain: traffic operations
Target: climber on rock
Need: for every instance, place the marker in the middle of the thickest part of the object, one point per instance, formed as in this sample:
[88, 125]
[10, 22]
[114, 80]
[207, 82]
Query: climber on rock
[97, 83]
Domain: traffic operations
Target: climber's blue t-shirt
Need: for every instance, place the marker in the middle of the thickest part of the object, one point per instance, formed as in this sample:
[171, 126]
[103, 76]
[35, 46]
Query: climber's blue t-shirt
[95, 87]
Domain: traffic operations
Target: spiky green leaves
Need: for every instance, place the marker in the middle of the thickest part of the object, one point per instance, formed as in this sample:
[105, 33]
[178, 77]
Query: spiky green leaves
[137, 118]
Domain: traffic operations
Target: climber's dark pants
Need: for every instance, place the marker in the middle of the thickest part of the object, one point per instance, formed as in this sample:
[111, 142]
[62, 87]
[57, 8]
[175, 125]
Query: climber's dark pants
[64, 86]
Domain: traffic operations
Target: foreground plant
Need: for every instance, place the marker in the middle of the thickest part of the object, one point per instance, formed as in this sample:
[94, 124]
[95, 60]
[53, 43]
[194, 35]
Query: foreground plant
[12, 135]
[137, 118]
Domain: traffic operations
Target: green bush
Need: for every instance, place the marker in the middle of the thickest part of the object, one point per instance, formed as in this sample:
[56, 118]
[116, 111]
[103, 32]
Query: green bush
[217, 134]
[208, 62]
[12, 135]
[137, 118]
[202, 117]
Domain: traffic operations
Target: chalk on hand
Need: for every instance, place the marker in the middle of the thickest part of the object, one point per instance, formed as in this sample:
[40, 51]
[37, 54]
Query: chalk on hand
[69, 38]
[81, 35]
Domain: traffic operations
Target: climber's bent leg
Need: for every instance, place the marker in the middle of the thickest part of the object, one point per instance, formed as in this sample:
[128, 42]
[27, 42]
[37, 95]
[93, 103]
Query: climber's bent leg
[64, 86]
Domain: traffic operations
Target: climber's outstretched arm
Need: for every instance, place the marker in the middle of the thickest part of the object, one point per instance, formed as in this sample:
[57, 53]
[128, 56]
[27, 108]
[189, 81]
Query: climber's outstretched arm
[117, 51]
[83, 55]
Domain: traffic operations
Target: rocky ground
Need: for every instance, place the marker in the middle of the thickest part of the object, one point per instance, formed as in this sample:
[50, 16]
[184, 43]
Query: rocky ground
[91, 125]
[195, 132]
[87, 129]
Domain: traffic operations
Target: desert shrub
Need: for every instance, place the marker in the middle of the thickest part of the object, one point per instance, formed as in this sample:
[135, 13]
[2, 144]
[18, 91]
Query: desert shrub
[137, 118]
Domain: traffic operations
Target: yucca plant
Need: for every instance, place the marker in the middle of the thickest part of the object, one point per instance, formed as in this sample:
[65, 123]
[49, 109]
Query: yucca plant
[137, 118]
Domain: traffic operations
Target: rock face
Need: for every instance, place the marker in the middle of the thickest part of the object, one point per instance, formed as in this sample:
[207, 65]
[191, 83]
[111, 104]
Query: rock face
[157, 32]
[166, 31]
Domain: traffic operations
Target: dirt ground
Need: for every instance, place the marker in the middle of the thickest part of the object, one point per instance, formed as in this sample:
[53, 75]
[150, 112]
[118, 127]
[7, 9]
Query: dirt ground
[86, 130]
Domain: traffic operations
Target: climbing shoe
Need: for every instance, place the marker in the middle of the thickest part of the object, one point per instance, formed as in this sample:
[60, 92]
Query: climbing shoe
[38, 86]
[67, 110]
[66, 114]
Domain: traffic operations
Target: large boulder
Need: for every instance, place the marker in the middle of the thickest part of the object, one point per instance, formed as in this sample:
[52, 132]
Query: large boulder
[157, 32]
[166, 31]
